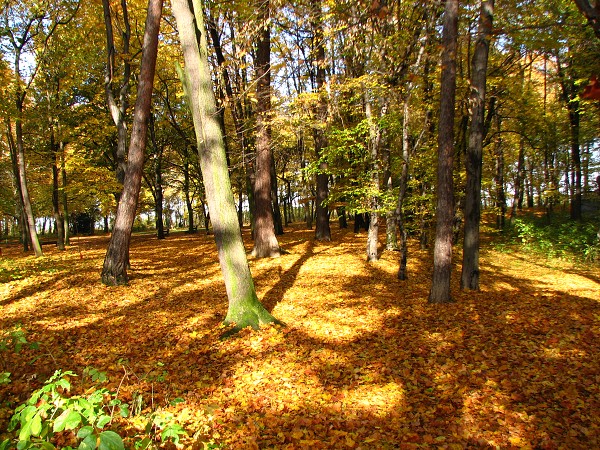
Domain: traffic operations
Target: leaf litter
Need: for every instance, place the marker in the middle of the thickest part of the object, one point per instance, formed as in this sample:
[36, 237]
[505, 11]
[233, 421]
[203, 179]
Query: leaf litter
[364, 362]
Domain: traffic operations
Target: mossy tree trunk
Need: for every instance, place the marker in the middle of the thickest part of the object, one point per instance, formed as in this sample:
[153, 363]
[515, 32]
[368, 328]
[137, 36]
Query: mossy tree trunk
[244, 307]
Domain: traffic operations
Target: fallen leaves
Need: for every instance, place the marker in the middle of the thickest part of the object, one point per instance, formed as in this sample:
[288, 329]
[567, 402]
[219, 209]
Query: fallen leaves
[363, 363]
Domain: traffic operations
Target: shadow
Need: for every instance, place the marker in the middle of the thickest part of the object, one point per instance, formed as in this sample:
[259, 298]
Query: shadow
[286, 279]
[364, 362]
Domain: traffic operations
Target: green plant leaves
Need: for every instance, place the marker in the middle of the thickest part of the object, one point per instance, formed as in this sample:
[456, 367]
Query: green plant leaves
[68, 420]
[109, 440]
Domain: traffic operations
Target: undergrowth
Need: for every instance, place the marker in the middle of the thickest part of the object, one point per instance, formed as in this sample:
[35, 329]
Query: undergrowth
[558, 237]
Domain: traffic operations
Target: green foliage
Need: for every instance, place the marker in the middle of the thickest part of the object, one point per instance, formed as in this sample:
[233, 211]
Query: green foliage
[51, 411]
[559, 238]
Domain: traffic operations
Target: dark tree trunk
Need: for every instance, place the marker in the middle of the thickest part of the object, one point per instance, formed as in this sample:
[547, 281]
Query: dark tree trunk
[265, 241]
[118, 109]
[499, 181]
[58, 217]
[322, 228]
[574, 119]
[442, 256]
[186, 190]
[114, 271]
[474, 157]
[278, 223]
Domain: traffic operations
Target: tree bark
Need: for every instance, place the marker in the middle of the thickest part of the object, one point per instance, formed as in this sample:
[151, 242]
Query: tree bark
[114, 271]
[118, 110]
[265, 241]
[244, 308]
[442, 256]
[474, 157]
[322, 228]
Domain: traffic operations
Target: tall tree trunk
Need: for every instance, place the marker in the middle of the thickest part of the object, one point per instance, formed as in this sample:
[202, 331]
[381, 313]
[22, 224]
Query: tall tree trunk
[17, 176]
[519, 181]
[277, 221]
[474, 157]
[574, 119]
[186, 190]
[442, 255]
[265, 241]
[114, 271]
[322, 228]
[58, 217]
[118, 110]
[374, 141]
[244, 307]
[499, 180]
[27, 209]
[64, 197]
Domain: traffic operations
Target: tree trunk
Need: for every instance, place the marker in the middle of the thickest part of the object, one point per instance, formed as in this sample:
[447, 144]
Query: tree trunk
[244, 307]
[277, 221]
[574, 119]
[118, 110]
[58, 217]
[374, 141]
[474, 157]
[322, 228]
[499, 180]
[27, 209]
[114, 271]
[265, 241]
[64, 199]
[442, 256]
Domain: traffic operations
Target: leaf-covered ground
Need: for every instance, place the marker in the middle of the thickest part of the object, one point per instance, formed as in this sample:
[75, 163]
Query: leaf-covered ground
[364, 361]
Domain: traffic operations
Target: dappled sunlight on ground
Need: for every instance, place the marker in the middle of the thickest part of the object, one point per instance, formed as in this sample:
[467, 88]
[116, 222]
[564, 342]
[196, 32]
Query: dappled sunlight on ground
[363, 362]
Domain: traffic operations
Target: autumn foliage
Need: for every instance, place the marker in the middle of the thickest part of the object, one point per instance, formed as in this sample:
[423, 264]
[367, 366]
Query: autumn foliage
[364, 361]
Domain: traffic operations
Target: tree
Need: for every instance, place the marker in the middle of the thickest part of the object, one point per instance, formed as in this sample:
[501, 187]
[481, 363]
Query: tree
[322, 230]
[442, 256]
[22, 25]
[114, 270]
[591, 11]
[118, 109]
[265, 241]
[470, 267]
[244, 308]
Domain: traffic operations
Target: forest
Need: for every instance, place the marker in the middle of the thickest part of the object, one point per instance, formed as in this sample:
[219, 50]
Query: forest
[336, 224]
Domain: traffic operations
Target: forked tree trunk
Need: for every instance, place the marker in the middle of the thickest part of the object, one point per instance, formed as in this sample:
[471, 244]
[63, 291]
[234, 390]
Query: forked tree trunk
[244, 307]
[114, 270]
[118, 109]
[442, 254]
[474, 157]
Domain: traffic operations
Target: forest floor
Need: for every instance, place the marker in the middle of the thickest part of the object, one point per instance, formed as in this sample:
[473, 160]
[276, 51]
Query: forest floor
[364, 361]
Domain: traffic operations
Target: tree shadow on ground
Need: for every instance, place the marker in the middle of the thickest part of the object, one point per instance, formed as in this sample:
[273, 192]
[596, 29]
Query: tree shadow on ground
[364, 360]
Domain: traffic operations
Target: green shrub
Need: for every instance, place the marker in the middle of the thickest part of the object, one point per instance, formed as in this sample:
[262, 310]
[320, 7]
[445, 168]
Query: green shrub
[558, 238]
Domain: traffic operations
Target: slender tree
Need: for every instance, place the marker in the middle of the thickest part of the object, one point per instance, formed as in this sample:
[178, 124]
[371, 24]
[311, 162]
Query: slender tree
[114, 271]
[442, 256]
[322, 229]
[244, 307]
[473, 162]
